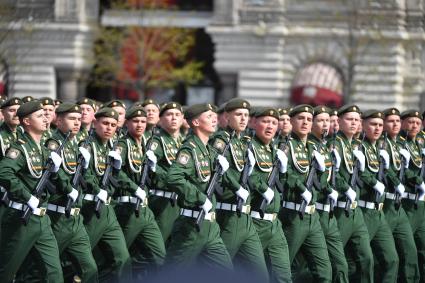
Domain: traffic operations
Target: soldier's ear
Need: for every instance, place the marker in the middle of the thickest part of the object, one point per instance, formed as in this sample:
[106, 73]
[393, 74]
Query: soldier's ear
[195, 122]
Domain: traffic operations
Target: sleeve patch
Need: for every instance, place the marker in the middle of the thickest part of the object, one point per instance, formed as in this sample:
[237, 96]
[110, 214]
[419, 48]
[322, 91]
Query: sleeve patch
[219, 144]
[52, 145]
[183, 158]
[119, 149]
[12, 153]
[154, 145]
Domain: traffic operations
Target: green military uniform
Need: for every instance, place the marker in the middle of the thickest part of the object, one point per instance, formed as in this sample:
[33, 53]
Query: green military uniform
[143, 229]
[20, 171]
[189, 177]
[105, 229]
[380, 235]
[238, 232]
[415, 213]
[396, 217]
[353, 230]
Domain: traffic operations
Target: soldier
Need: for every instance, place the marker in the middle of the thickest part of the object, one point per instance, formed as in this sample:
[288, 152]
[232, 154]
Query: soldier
[152, 113]
[394, 213]
[88, 109]
[165, 145]
[334, 127]
[120, 107]
[49, 111]
[20, 171]
[371, 198]
[188, 176]
[268, 227]
[138, 227]
[352, 227]
[185, 128]
[28, 98]
[285, 121]
[2, 100]
[104, 228]
[413, 199]
[9, 130]
[221, 117]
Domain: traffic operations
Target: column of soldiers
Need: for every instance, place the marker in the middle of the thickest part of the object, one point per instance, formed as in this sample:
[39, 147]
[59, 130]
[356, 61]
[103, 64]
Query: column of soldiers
[97, 193]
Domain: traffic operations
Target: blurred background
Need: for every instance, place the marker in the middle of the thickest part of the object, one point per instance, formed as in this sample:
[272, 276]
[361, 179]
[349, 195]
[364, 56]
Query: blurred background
[271, 52]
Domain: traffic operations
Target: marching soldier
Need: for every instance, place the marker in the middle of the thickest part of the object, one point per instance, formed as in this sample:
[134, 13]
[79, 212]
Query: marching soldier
[237, 231]
[138, 224]
[152, 113]
[49, 111]
[221, 118]
[413, 200]
[88, 109]
[165, 145]
[9, 130]
[188, 176]
[104, 227]
[334, 123]
[394, 212]
[285, 121]
[120, 107]
[20, 172]
[352, 227]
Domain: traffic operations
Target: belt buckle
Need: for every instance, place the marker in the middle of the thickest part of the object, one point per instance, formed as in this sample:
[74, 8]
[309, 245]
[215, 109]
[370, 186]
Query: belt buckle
[75, 211]
[380, 206]
[42, 211]
[108, 201]
[312, 209]
[354, 205]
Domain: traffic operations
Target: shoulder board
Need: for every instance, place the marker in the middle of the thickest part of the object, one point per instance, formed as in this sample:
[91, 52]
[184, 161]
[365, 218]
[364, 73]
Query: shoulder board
[21, 141]
[402, 138]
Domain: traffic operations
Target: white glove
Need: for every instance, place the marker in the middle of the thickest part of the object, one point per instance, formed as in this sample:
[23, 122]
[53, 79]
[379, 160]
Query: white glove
[86, 155]
[223, 163]
[333, 195]
[384, 154]
[251, 161]
[33, 202]
[117, 159]
[320, 161]
[361, 158]
[102, 195]
[307, 196]
[73, 194]
[406, 154]
[337, 159]
[400, 189]
[57, 161]
[268, 195]
[152, 160]
[283, 159]
[207, 206]
[243, 194]
[141, 194]
[421, 187]
[351, 194]
[423, 151]
[379, 187]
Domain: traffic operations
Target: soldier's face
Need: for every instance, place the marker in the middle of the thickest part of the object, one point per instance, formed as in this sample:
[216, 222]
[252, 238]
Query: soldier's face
[412, 125]
[321, 123]
[238, 119]
[121, 115]
[206, 122]
[171, 120]
[373, 128]
[136, 126]
[266, 128]
[36, 122]
[69, 122]
[349, 123]
[105, 127]
[301, 124]
[152, 113]
[285, 124]
[87, 114]
[334, 124]
[49, 112]
[392, 125]
[9, 114]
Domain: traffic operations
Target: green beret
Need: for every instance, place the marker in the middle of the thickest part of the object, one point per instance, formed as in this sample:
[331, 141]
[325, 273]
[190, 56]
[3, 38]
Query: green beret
[321, 109]
[372, 113]
[197, 109]
[170, 105]
[391, 111]
[220, 109]
[300, 109]
[29, 108]
[11, 101]
[114, 103]
[58, 102]
[135, 111]
[237, 103]
[348, 108]
[284, 111]
[410, 113]
[47, 101]
[254, 109]
[87, 101]
[267, 111]
[106, 112]
[28, 98]
[68, 107]
[334, 112]
[150, 101]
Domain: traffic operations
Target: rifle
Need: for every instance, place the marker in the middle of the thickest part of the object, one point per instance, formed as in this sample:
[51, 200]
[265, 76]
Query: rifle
[218, 172]
[274, 174]
[106, 176]
[397, 201]
[381, 171]
[79, 172]
[38, 191]
[353, 180]
[145, 171]
[310, 179]
[244, 176]
[333, 174]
